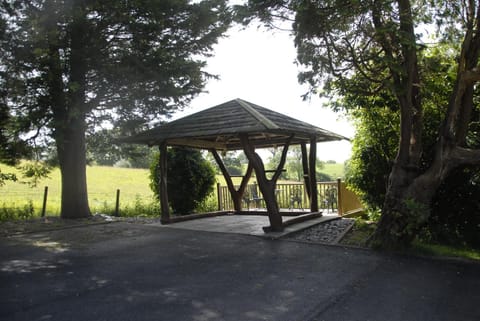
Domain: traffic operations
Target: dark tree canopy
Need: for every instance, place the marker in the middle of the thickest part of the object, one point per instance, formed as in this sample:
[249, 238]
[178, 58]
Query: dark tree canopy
[72, 66]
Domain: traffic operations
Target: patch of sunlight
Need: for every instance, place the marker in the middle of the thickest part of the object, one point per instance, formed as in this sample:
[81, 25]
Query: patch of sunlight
[26, 266]
[51, 246]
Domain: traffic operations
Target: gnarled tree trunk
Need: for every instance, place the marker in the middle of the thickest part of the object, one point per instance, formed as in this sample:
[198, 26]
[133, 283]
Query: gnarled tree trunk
[267, 186]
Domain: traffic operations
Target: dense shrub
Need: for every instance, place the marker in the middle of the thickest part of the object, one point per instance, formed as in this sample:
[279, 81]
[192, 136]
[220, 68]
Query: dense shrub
[190, 179]
[455, 218]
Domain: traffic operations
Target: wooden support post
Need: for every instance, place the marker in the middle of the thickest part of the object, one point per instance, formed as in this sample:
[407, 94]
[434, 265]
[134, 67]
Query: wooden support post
[306, 176]
[339, 197]
[235, 194]
[267, 186]
[165, 219]
[313, 175]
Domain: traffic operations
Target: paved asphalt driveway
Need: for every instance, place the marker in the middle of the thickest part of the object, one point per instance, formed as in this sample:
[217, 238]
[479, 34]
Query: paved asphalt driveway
[124, 271]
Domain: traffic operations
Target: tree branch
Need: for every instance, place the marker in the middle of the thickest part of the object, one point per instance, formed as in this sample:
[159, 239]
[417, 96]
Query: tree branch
[283, 158]
[465, 156]
[471, 76]
[223, 169]
[243, 184]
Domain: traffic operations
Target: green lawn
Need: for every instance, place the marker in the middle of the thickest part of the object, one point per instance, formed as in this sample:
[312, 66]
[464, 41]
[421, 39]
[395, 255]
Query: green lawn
[334, 170]
[361, 231]
[103, 183]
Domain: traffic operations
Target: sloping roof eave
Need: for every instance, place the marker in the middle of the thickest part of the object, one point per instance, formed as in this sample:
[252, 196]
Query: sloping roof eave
[216, 125]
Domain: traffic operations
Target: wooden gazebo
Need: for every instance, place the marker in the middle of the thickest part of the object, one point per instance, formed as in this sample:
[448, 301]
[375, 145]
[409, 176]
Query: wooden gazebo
[241, 125]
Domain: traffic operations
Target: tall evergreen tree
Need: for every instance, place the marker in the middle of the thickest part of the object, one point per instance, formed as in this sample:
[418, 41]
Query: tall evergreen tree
[69, 65]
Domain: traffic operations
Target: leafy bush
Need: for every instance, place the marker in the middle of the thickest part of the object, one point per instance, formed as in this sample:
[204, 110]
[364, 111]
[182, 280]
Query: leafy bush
[190, 179]
[15, 213]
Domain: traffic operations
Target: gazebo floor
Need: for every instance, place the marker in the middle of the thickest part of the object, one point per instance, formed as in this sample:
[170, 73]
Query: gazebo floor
[248, 224]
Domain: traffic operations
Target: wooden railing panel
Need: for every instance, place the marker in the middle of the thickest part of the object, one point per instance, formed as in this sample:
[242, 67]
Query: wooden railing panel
[289, 195]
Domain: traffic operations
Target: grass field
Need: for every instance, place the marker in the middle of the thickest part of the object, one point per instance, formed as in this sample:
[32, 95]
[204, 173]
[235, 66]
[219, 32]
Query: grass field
[103, 183]
[335, 171]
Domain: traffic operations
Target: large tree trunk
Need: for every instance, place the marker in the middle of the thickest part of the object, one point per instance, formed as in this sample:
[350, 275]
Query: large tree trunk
[408, 200]
[69, 114]
[72, 158]
[405, 210]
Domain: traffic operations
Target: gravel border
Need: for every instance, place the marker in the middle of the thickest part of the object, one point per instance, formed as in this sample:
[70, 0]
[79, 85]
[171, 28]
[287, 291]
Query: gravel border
[330, 232]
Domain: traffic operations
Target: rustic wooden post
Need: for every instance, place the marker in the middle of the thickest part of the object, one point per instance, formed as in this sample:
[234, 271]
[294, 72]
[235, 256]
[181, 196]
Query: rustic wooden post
[313, 174]
[165, 218]
[267, 186]
[306, 175]
[339, 197]
[236, 194]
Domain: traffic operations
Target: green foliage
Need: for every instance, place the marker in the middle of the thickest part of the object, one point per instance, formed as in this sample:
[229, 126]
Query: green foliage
[10, 213]
[373, 152]
[294, 167]
[34, 172]
[190, 179]
[102, 150]
[294, 164]
[7, 177]
[232, 160]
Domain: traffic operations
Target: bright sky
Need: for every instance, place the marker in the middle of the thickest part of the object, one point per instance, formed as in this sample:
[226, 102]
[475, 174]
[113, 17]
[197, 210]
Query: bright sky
[258, 66]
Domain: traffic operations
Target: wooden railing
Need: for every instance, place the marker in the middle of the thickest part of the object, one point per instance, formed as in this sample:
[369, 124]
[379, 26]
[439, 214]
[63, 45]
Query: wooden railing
[289, 196]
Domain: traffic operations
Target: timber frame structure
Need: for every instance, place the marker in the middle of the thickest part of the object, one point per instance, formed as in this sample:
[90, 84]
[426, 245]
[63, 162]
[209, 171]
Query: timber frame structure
[241, 125]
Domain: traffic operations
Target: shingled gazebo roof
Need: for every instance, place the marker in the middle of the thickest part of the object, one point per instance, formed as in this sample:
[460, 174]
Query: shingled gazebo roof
[220, 126]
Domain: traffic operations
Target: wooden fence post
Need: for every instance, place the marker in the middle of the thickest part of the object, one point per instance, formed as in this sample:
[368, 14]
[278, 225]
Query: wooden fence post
[117, 203]
[44, 206]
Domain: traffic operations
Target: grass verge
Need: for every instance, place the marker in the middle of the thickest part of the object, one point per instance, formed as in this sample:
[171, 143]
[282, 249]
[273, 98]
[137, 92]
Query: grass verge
[438, 250]
[362, 229]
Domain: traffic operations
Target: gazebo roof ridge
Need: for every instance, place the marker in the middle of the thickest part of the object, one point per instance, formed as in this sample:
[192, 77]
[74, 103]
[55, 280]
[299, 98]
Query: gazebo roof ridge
[220, 126]
[265, 121]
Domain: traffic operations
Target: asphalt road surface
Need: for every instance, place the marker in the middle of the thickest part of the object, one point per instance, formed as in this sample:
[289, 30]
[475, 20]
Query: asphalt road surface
[124, 271]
